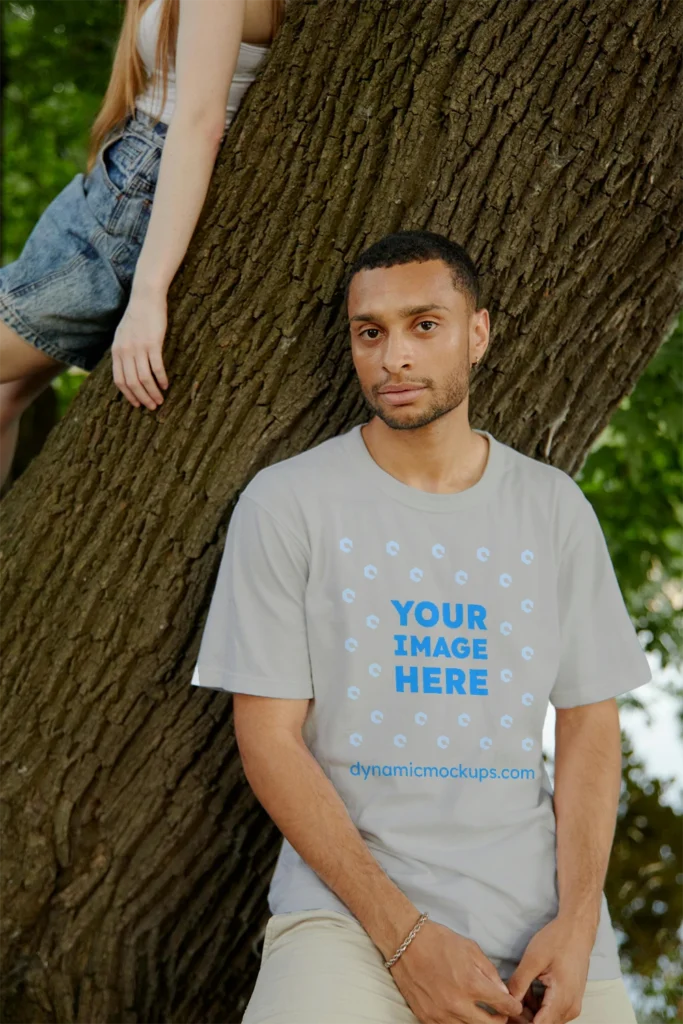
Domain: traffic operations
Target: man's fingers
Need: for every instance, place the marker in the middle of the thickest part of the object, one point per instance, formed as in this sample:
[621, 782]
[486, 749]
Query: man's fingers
[556, 1006]
[521, 978]
[491, 1012]
[500, 998]
[485, 967]
[497, 1004]
[522, 1018]
[529, 1006]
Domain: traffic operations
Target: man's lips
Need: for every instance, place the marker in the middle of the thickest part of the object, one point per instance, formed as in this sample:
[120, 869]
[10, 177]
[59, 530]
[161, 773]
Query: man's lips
[393, 388]
[402, 395]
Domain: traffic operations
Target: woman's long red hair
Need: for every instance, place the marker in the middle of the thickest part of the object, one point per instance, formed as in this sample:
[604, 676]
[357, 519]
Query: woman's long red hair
[128, 74]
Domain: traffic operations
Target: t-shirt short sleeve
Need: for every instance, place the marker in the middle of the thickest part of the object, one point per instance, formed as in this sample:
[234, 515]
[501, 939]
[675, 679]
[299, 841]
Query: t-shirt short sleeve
[600, 654]
[255, 638]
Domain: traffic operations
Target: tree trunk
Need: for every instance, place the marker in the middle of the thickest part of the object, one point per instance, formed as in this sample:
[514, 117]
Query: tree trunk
[543, 136]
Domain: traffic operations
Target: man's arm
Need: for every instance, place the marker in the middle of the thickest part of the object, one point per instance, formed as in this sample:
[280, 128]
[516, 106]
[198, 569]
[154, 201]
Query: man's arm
[442, 975]
[292, 787]
[586, 794]
[586, 797]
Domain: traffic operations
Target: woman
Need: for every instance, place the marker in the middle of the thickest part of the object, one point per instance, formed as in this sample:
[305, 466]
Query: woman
[96, 269]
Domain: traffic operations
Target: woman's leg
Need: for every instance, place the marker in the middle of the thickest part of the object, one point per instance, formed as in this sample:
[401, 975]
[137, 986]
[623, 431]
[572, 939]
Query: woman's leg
[19, 359]
[25, 372]
[321, 967]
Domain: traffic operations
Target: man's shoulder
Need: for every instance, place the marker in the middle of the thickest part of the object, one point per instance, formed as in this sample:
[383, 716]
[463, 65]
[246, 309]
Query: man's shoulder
[293, 479]
[542, 475]
[552, 491]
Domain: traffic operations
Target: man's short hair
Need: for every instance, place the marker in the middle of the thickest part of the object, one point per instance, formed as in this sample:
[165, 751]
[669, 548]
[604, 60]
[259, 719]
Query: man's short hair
[420, 246]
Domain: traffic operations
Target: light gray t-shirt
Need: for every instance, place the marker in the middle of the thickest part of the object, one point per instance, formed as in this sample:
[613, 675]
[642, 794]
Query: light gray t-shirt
[431, 631]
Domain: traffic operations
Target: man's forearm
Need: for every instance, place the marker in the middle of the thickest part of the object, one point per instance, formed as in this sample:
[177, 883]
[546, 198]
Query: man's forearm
[311, 815]
[587, 784]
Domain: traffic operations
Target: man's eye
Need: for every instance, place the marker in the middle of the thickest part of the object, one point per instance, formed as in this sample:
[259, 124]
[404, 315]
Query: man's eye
[376, 330]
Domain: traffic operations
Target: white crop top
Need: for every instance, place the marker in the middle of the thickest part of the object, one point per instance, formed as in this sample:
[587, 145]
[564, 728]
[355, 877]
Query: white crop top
[249, 57]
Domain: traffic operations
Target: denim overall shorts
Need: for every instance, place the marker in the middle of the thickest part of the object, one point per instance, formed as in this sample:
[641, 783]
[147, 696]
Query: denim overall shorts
[69, 288]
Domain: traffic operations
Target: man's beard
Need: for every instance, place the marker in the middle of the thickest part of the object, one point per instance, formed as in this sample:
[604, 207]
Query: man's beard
[440, 401]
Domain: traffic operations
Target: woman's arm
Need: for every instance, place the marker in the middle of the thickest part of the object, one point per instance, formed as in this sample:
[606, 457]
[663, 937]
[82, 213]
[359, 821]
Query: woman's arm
[209, 36]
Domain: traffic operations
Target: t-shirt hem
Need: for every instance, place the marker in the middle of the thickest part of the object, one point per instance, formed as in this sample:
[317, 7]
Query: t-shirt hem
[578, 698]
[600, 967]
[235, 682]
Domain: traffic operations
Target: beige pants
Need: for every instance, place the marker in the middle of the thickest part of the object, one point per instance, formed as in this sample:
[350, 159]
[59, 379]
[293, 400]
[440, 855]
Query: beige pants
[321, 967]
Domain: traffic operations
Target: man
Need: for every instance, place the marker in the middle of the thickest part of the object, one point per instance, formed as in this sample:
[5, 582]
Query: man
[393, 611]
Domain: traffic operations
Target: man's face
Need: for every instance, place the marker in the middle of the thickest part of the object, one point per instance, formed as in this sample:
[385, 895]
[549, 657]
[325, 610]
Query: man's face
[408, 324]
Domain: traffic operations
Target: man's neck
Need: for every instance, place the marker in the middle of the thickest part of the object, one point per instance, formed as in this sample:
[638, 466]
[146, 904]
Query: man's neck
[442, 461]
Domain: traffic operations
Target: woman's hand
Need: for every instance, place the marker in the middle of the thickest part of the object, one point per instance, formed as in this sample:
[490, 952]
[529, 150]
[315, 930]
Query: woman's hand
[136, 349]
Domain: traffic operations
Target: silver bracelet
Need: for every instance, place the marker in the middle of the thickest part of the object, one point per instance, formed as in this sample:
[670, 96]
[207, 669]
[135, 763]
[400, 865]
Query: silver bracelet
[421, 920]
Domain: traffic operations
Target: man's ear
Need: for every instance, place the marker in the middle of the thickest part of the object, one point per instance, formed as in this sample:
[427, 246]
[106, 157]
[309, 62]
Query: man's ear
[479, 335]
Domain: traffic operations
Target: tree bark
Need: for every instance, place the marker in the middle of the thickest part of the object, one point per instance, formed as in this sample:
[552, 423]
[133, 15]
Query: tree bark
[543, 136]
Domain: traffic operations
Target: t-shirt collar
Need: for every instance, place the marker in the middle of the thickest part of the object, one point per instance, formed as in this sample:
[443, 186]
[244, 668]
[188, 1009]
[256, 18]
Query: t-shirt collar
[373, 475]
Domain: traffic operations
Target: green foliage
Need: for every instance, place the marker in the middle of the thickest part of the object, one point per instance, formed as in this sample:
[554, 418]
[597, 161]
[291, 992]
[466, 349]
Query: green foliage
[57, 61]
[67, 385]
[644, 876]
[634, 480]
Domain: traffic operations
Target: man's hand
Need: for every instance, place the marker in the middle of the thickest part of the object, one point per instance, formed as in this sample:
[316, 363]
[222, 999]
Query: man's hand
[558, 955]
[444, 976]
